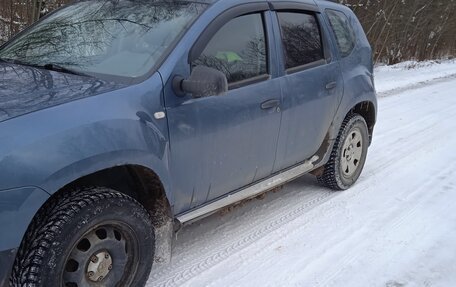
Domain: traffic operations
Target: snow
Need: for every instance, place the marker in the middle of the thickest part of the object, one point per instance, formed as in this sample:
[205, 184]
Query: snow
[395, 227]
[411, 73]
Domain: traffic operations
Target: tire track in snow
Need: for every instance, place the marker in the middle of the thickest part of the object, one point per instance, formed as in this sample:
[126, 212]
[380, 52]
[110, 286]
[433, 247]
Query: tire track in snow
[186, 272]
[416, 86]
[427, 121]
[241, 229]
[397, 218]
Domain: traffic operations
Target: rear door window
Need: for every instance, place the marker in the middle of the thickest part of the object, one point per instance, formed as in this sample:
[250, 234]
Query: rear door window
[301, 38]
[343, 31]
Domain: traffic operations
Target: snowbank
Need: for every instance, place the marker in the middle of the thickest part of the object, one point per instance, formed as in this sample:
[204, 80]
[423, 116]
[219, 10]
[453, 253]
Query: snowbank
[408, 74]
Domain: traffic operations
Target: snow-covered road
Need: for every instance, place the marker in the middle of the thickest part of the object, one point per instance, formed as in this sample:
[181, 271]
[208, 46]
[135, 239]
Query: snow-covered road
[396, 227]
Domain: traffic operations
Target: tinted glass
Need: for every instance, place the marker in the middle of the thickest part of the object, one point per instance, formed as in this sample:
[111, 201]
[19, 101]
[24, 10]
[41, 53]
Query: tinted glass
[238, 49]
[117, 37]
[345, 35]
[301, 38]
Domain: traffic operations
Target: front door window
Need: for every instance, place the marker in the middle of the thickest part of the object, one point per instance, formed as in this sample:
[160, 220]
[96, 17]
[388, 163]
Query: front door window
[238, 49]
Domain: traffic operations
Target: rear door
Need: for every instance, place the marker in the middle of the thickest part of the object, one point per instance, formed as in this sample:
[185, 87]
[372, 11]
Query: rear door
[312, 84]
[222, 143]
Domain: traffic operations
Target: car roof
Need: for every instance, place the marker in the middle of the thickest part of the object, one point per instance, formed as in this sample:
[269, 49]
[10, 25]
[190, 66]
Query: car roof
[249, 1]
[326, 3]
[305, 1]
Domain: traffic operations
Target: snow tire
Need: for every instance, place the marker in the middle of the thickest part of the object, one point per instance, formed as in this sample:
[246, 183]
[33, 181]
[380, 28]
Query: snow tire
[333, 175]
[58, 228]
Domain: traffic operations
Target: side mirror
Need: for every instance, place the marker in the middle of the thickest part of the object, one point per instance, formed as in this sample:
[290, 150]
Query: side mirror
[203, 82]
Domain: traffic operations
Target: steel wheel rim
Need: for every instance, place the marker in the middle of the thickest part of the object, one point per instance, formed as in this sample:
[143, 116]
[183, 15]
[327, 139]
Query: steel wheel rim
[107, 254]
[352, 152]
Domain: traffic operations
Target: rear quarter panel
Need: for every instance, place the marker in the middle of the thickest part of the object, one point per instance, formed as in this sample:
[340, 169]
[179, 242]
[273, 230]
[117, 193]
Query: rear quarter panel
[357, 68]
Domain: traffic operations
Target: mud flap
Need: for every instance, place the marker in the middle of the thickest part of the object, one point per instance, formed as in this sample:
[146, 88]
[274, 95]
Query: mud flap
[163, 242]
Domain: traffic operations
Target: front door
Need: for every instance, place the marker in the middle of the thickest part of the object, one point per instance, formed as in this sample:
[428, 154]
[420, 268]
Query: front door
[221, 143]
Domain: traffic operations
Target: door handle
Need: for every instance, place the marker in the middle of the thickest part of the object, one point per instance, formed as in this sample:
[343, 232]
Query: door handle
[331, 85]
[270, 104]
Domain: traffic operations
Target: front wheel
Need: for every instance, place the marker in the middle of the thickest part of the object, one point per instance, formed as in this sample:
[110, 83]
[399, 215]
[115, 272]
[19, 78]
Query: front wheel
[93, 237]
[348, 155]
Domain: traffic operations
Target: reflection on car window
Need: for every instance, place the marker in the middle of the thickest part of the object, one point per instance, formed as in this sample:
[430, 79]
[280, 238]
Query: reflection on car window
[301, 38]
[116, 37]
[345, 35]
[238, 49]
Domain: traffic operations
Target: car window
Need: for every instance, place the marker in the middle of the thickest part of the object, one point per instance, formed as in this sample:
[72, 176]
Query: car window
[301, 38]
[120, 38]
[345, 35]
[238, 49]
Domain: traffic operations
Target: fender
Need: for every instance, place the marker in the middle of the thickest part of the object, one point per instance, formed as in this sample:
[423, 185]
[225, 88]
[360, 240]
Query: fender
[353, 97]
[53, 147]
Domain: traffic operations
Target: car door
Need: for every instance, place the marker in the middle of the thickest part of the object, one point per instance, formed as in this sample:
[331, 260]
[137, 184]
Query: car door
[313, 85]
[221, 143]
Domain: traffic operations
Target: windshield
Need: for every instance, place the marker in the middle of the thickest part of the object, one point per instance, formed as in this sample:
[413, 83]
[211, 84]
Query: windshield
[124, 38]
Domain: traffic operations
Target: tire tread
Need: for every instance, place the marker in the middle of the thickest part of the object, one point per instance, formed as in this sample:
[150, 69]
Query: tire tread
[48, 222]
[329, 178]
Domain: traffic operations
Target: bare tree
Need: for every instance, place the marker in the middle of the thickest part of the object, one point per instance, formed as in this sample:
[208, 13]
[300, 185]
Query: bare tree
[397, 29]
[15, 15]
[408, 29]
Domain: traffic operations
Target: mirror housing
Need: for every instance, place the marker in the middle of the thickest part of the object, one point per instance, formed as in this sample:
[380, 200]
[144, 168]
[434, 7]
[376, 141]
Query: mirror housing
[203, 82]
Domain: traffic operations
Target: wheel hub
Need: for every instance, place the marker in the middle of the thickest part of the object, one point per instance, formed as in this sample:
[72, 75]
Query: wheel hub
[99, 266]
[102, 255]
[352, 153]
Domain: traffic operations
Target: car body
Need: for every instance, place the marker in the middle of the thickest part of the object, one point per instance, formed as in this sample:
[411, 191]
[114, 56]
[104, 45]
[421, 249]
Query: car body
[181, 156]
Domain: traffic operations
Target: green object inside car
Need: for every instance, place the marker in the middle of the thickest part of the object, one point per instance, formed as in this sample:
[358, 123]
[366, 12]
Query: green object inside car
[228, 56]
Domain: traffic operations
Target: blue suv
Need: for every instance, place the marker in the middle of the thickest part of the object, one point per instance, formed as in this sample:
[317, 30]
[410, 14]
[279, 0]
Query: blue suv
[122, 120]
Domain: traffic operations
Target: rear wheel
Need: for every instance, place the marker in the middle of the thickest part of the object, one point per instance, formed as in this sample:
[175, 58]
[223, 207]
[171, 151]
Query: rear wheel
[348, 155]
[94, 237]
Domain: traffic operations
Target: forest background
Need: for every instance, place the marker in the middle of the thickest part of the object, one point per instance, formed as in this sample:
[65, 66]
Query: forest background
[398, 30]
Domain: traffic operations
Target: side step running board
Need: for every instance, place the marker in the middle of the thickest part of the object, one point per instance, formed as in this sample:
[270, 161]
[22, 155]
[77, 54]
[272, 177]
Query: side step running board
[248, 192]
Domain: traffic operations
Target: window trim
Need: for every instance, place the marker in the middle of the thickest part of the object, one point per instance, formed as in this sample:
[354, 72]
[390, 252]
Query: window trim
[222, 19]
[218, 23]
[352, 30]
[323, 39]
[304, 67]
[249, 81]
[294, 6]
